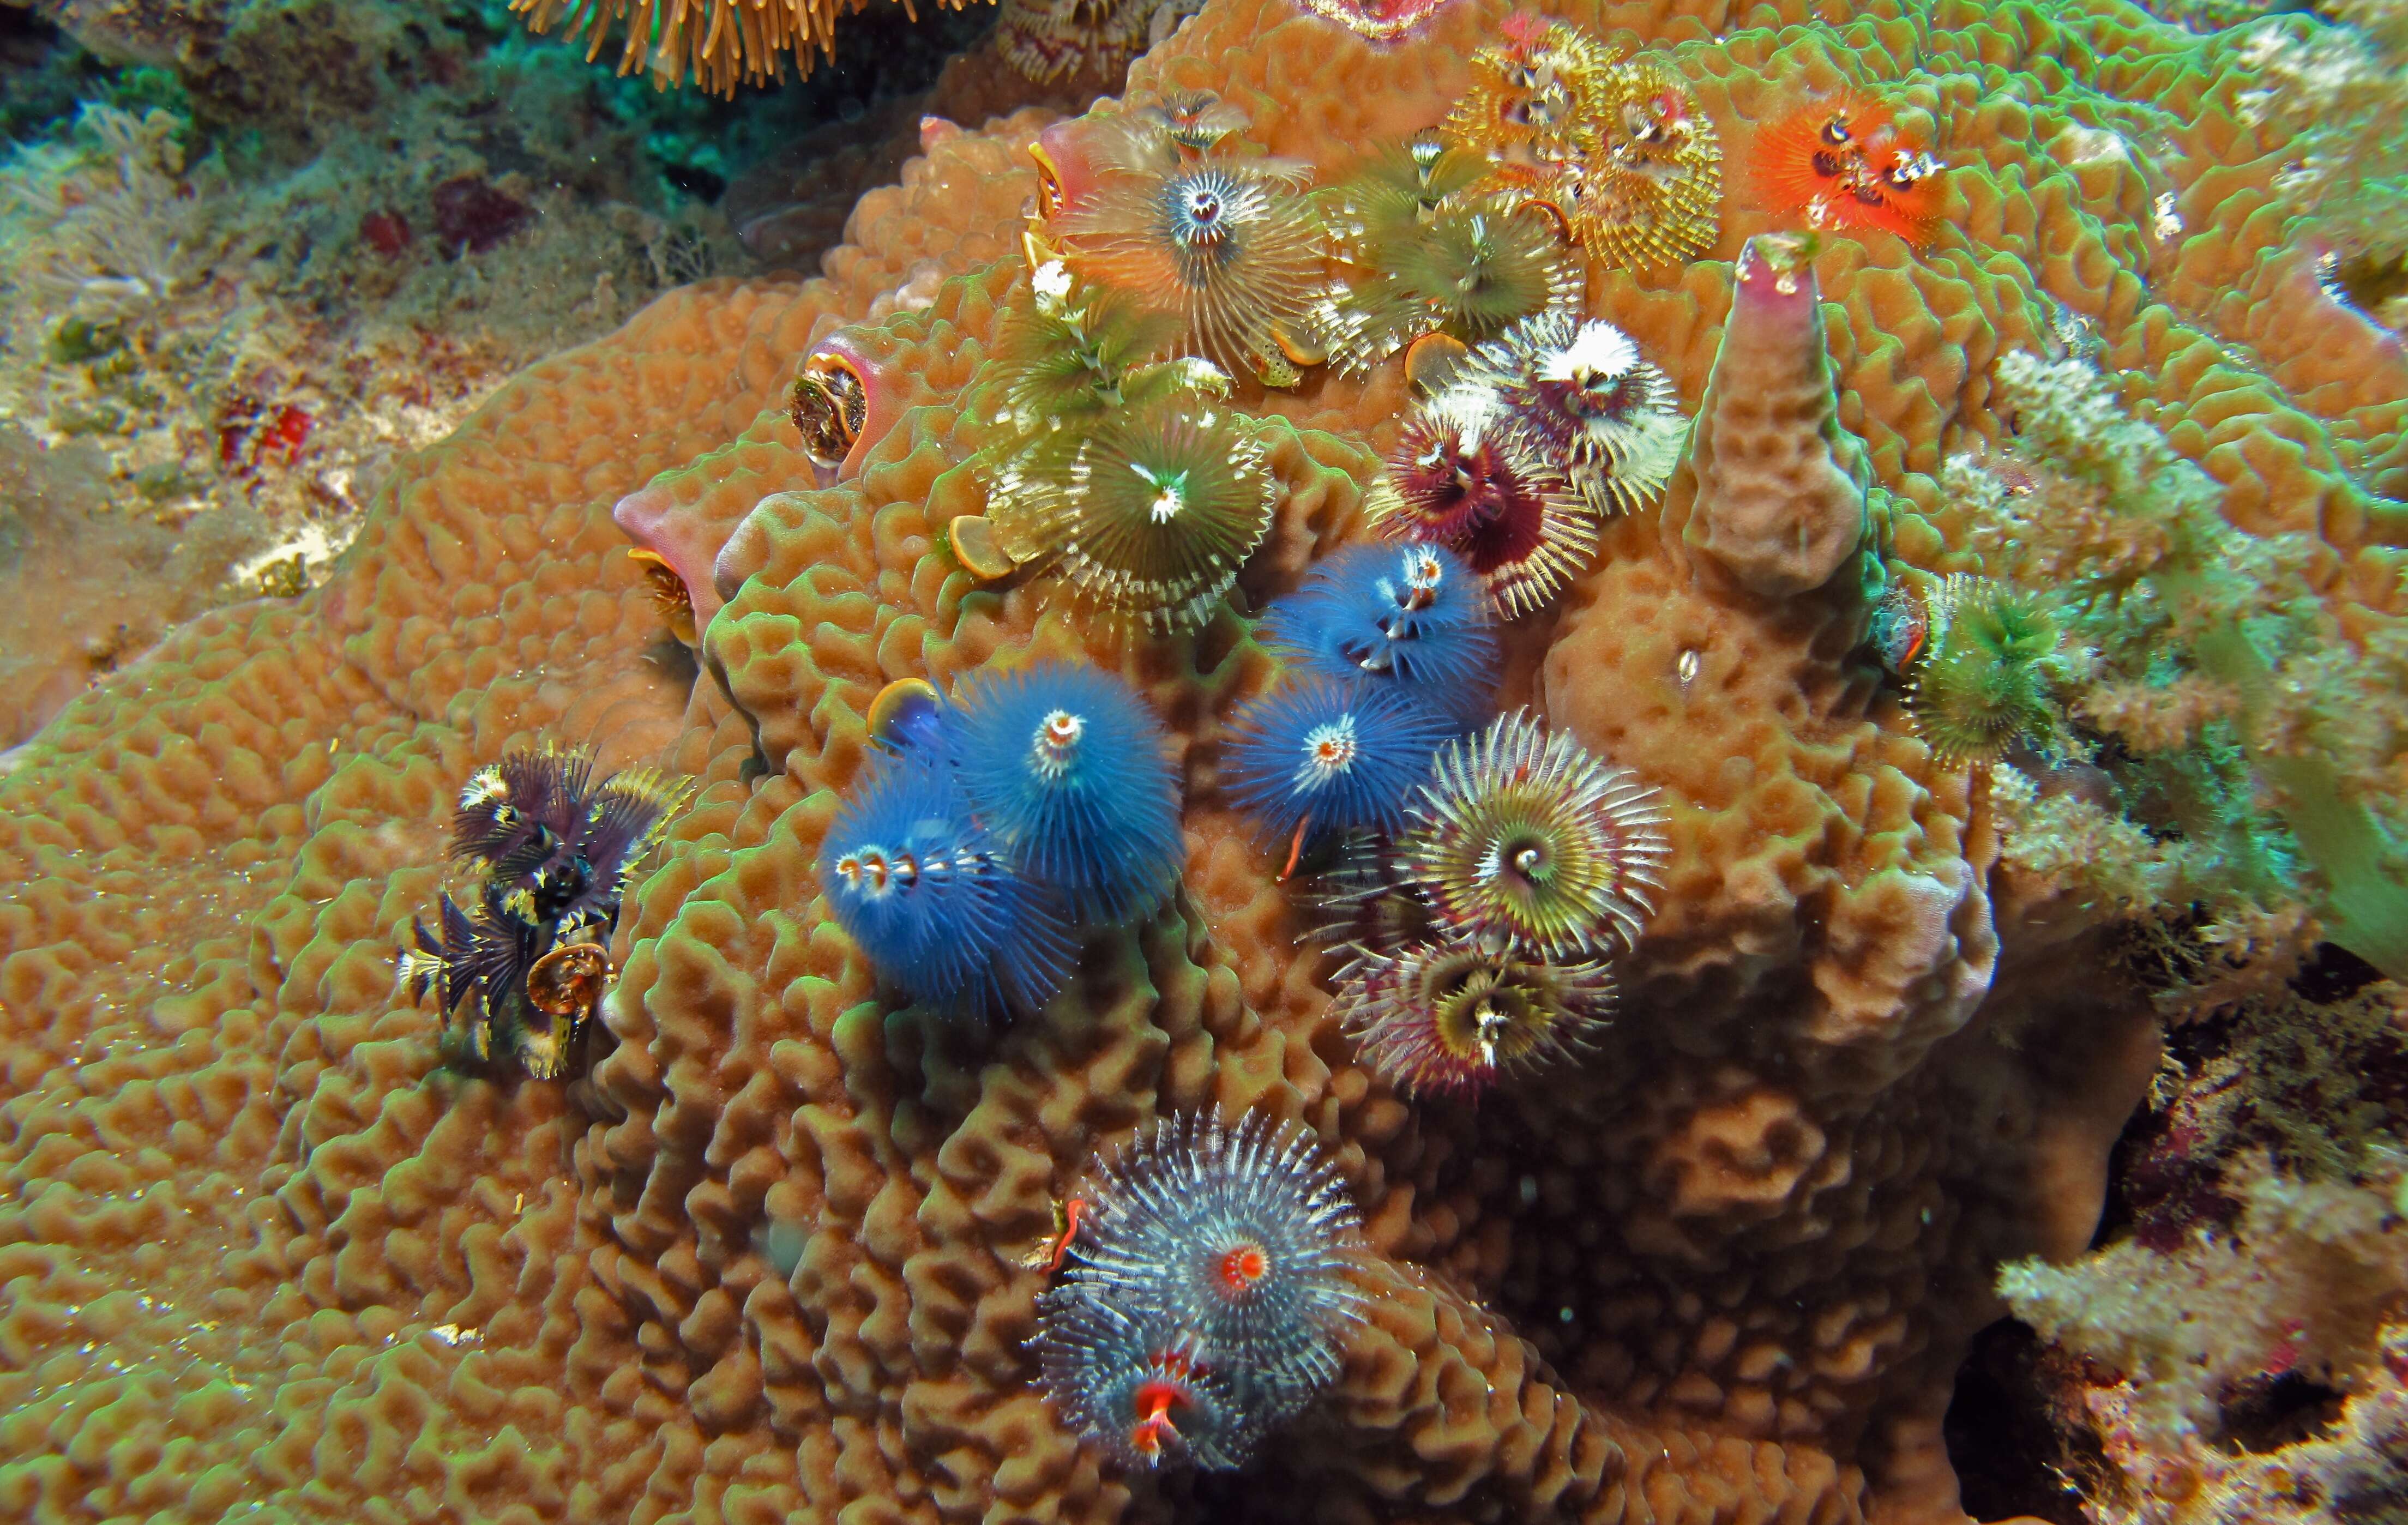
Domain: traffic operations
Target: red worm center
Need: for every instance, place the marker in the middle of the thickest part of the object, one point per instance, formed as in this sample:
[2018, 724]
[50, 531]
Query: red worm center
[1243, 1267]
[1154, 1403]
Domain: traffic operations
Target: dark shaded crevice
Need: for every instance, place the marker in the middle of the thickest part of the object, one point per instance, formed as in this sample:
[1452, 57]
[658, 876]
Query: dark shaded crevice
[2009, 1438]
[2267, 1413]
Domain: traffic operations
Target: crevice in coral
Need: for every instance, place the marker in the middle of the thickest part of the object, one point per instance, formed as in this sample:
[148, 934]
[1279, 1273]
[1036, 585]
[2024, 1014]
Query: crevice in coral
[2015, 1451]
[2267, 1413]
[675, 658]
[2333, 973]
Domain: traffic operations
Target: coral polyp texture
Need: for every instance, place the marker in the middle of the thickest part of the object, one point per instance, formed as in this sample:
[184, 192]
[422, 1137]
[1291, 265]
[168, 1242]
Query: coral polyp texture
[777, 1252]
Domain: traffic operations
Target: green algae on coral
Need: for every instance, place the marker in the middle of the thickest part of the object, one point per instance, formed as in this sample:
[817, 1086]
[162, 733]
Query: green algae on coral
[2175, 602]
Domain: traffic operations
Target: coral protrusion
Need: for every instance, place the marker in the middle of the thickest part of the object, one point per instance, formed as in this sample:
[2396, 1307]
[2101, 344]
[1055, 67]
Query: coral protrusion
[1781, 500]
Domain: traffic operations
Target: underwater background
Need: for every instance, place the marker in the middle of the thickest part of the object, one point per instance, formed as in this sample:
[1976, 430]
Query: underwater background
[1323, 760]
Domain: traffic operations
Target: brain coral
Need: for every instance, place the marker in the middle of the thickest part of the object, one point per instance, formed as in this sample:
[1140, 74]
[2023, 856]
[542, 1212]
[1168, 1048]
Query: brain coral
[768, 1258]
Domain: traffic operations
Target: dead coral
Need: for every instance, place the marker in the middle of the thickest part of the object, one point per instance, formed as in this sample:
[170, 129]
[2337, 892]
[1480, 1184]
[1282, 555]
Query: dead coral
[246, 357]
[2212, 668]
[88, 583]
[111, 230]
[2254, 1375]
[2235, 1352]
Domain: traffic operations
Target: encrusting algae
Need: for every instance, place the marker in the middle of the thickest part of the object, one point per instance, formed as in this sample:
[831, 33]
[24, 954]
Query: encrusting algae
[1460, 913]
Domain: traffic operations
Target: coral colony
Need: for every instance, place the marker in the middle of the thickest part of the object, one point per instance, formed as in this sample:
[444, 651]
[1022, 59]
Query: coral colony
[1030, 804]
[1522, 784]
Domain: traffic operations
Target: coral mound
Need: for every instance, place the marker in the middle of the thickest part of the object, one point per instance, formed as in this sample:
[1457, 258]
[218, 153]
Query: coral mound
[778, 1254]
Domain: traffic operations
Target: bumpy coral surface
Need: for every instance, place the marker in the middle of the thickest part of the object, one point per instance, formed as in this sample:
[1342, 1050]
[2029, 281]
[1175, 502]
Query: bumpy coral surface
[778, 1253]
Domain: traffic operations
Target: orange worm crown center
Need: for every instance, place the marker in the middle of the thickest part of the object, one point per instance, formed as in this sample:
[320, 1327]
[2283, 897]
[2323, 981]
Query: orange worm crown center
[1153, 1401]
[1331, 749]
[1243, 1268]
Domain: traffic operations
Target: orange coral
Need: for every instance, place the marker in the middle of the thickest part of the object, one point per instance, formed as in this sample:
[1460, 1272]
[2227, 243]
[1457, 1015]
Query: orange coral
[726, 43]
[766, 1261]
[721, 44]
